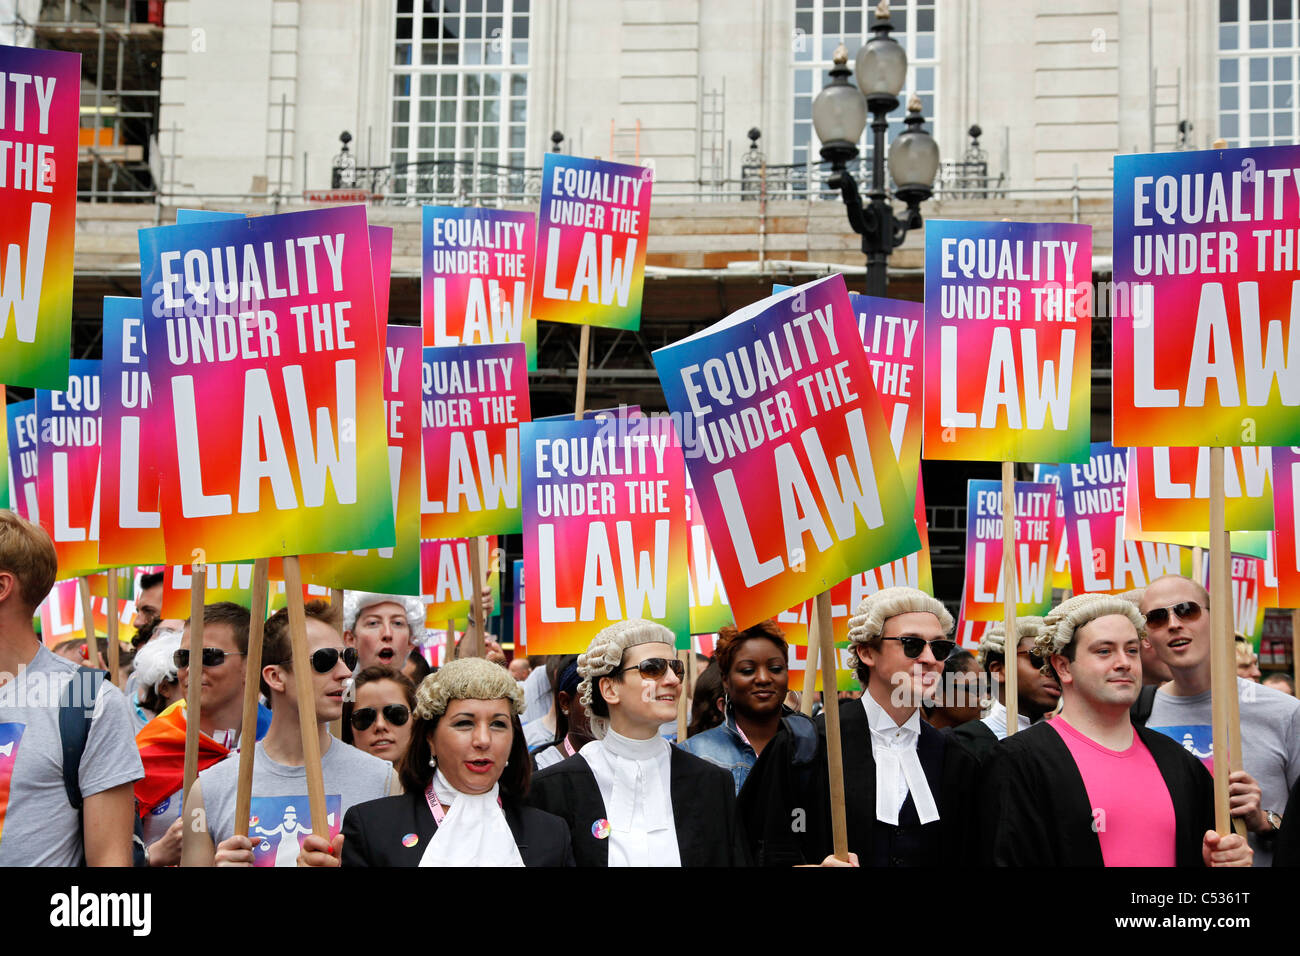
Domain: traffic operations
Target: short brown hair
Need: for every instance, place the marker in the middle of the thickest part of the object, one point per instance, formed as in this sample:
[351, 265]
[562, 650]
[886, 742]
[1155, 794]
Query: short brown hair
[235, 616]
[27, 553]
[276, 646]
[730, 639]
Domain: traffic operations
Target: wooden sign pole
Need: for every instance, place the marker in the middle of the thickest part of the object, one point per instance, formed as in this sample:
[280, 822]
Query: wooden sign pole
[252, 683]
[194, 687]
[1220, 638]
[1011, 643]
[681, 700]
[88, 622]
[302, 675]
[451, 641]
[336, 618]
[807, 698]
[114, 654]
[584, 347]
[831, 710]
[476, 623]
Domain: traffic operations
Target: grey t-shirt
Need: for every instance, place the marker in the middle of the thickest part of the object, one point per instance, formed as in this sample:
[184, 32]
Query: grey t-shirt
[279, 812]
[38, 827]
[1270, 740]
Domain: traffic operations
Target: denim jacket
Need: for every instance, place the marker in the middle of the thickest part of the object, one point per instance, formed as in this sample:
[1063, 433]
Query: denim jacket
[724, 746]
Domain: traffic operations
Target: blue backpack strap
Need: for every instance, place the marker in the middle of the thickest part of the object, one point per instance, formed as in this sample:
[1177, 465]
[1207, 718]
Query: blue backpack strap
[76, 710]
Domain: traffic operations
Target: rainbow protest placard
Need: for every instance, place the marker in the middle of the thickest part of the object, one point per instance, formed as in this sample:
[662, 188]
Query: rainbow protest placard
[1205, 260]
[40, 106]
[520, 621]
[709, 608]
[394, 570]
[1008, 341]
[476, 277]
[446, 579]
[790, 456]
[1173, 488]
[1036, 546]
[796, 623]
[4, 457]
[1102, 559]
[267, 371]
[605, 531]
[23, 457]
[1061, 563]
[474, 399]
[63, 616]
[969, 633]
[889, 330]
[222, 582]
[67, 470]
[130, 525]
[1286, 517]
[591, 242]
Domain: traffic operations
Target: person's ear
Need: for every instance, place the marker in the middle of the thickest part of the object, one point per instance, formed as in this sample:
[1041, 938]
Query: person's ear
[8, 585]
[865, 653]
[274, 676]
[1061, 664]
[996, 667]
[433, 751]
[608, 689]
[349, 639]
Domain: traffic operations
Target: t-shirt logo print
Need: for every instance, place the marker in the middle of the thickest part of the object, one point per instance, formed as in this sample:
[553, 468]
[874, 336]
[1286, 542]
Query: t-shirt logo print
[283, 823]
[10, 735]
[1196, 739]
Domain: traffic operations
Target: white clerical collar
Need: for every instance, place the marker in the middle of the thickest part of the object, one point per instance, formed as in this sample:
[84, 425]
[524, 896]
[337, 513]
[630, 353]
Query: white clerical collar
[631, 749]
[997, 719]
[880, 722]
[474, 831]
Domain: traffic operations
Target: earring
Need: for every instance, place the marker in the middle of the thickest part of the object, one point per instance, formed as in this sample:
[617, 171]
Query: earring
[433, 760]
[507, 764]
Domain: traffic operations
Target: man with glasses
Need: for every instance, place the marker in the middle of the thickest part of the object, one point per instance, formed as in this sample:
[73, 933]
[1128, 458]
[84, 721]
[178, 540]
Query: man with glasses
[1087, 788]
[906, 786]
[279, 777]
[1036, 693]
[162, 740]
[1178, 628]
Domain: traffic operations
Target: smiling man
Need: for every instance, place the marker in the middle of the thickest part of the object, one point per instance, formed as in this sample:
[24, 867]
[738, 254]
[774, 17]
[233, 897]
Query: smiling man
[1178, 628]
[1087, 788]
[1036, 693]
[279, 814]
[629, 797]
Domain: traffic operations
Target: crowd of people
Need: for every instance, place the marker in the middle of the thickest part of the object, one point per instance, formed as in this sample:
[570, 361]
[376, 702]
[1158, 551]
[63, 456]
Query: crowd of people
[573, 759]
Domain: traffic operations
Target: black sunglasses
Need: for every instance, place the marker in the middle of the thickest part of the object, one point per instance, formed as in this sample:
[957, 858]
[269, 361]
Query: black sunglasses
[655, 667]
[1186, 611]
[212, 656]
[914, 646]
[394, 714]
[1035, 658]
[323, 661]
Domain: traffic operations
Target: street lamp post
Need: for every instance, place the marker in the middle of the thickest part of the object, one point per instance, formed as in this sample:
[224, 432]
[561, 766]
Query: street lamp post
[840, 115]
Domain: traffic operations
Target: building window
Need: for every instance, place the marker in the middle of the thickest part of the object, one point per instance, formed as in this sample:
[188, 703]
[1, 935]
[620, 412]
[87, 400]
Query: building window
[460, 88]
[822, 25]
[1259, 41]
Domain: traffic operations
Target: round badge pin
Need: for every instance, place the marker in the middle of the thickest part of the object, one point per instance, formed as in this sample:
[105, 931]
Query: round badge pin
[600, 829]
[411, 839]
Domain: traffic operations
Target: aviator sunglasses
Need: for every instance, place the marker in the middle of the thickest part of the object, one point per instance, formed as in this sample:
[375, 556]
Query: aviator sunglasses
[914, 646]
[654, 668]
[394, 714]
[1186, 611]
[212, 656]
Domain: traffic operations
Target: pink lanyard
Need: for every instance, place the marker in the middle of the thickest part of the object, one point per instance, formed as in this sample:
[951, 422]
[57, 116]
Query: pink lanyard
[436, 808]
[568, 747]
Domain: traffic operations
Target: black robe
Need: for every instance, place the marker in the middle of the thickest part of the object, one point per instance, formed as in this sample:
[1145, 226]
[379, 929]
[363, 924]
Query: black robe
[786, 804]
[704, 809]
[1035, 807]
[373, 833]
[978, 739]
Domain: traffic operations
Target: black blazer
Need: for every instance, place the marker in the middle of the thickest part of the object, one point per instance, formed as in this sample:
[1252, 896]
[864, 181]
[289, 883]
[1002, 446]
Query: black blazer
[373, 833]
[1036, 811]
[704, 809]
[977, 738]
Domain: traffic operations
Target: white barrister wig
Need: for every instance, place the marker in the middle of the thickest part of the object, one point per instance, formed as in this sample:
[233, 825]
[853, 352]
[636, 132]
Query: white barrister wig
[1134, 597]
[469, 678]
[1067, 617]
[354, 602]
[153, 662]
[605, 653]
[994, 640]
[868, 621]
